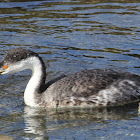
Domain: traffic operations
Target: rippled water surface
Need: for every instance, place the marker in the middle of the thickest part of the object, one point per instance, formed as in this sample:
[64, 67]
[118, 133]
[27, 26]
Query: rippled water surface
[70, 35]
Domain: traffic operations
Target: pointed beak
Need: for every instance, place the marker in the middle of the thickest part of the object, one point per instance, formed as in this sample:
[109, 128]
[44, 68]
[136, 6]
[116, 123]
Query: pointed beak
[1, 68]
[1, 72]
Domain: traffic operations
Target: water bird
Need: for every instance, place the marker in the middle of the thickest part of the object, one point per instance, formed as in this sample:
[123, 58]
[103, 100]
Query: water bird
[87, 88]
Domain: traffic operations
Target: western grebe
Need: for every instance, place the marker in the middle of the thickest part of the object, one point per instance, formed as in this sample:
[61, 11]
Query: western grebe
[87, 88]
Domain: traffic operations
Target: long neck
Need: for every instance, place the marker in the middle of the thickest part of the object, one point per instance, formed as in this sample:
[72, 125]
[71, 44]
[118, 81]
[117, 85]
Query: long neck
[36, 83]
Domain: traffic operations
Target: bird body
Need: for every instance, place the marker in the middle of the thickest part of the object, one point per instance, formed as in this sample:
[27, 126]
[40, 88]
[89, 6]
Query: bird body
[93, 88]
[87, 88]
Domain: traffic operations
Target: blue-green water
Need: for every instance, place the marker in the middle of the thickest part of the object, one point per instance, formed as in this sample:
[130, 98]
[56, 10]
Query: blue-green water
[70, 35]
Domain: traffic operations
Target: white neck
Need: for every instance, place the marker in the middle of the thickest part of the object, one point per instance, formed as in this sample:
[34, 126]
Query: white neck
[34, 82]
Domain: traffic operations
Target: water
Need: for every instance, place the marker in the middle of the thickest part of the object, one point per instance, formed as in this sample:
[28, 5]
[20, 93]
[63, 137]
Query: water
[70, 35]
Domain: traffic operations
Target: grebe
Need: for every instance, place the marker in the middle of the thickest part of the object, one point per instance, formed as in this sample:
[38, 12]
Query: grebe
[88, 88]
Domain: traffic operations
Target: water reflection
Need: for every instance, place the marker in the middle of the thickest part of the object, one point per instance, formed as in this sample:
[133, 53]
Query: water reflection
[34, 121]
[41, 122]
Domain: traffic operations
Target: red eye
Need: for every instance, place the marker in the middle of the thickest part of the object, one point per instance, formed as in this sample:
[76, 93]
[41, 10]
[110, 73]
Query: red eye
[5, 67]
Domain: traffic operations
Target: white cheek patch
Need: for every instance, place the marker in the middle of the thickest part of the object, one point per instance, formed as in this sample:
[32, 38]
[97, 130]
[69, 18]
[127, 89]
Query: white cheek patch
[18, 66]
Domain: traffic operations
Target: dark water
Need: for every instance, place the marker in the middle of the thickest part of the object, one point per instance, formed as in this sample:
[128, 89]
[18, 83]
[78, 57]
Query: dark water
[70, 35]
